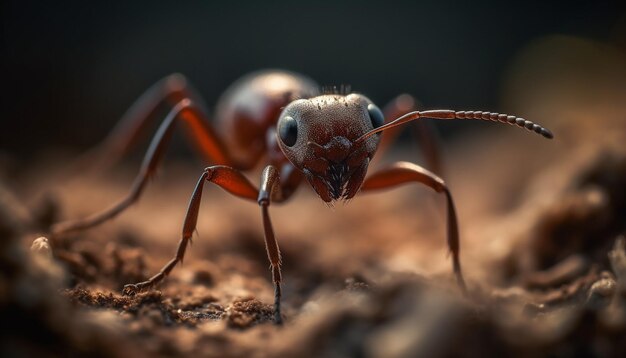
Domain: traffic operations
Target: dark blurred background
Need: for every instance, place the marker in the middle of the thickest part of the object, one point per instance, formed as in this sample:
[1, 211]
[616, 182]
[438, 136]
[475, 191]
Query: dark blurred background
[70, 69]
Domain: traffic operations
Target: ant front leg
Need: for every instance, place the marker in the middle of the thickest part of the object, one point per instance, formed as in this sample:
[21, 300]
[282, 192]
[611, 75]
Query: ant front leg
[204, 136]
[404, 172]
[270, 188]
[230, 180]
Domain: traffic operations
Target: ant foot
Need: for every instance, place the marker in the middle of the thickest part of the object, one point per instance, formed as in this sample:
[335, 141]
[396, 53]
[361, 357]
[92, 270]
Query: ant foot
[131, 289]
[278, 320]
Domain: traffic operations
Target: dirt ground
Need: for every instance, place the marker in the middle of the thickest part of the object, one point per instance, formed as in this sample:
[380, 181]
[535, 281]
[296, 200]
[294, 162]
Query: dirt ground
[543, 249]
[367, 279]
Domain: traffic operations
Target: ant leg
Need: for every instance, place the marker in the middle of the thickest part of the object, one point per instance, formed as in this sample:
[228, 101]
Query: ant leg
[138, 119]
[429, 142]
[290, 176]
[424, 131]
[229, 179]
[398, 106]
[290, 179]
[186, 111]
[237, 184]
[270, 181]
[404, 172]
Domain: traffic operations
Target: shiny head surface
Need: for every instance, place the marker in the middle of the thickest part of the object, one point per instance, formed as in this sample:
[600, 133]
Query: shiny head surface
[317, 137]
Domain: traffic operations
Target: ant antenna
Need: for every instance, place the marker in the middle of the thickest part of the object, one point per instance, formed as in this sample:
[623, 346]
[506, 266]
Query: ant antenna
[448, 114]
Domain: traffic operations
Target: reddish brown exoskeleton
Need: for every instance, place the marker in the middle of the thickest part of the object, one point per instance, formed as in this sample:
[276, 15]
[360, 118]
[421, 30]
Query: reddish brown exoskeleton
[279, 117]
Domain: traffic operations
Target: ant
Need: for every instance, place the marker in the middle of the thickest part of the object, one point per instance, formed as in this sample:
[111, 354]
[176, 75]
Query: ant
[281, 118]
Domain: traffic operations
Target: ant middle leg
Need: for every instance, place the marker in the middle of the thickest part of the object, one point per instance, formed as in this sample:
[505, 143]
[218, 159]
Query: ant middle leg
[229, 179]
[237, 184]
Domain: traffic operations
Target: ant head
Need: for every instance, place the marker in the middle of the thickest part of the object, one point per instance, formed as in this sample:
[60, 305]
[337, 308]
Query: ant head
[317, 137]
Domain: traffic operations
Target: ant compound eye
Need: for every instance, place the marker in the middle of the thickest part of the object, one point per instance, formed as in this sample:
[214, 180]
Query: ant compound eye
[376, 116]
[288, 130]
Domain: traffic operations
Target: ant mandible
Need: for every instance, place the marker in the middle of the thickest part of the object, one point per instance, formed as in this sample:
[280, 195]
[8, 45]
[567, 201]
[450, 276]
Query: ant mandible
[279, 117]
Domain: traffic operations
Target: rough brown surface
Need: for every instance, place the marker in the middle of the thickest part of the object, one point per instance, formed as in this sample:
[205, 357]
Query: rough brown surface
[369, 282]
[542, 246]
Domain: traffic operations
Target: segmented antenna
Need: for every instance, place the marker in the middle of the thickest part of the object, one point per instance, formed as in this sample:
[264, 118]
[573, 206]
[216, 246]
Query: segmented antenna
[504, 118]
[448, 114]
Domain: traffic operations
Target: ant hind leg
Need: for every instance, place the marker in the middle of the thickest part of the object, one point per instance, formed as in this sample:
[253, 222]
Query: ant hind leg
[206, 139]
